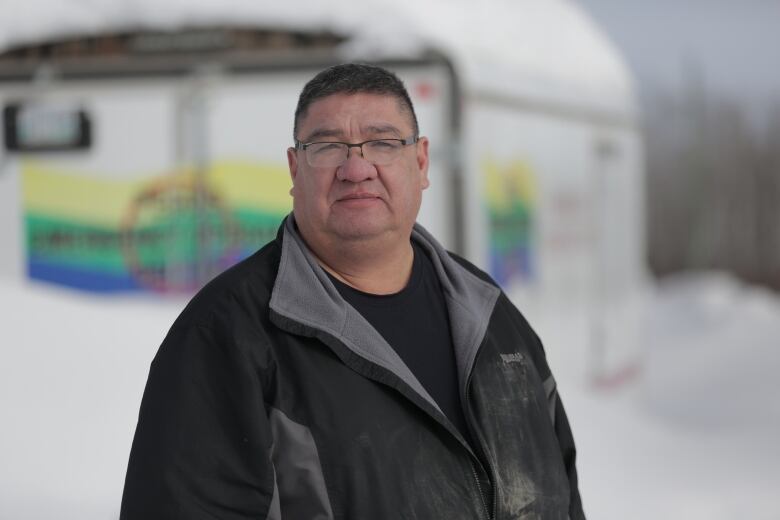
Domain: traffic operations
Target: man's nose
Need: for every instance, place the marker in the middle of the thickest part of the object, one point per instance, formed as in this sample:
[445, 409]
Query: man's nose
[355, 168]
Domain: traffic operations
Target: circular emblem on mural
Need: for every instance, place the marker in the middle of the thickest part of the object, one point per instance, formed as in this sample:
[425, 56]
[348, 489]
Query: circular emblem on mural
[176, 235]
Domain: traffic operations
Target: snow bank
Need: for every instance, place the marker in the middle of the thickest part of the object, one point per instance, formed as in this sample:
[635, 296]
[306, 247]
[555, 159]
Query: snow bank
[72, 372]
[711, 336]
[694, 438]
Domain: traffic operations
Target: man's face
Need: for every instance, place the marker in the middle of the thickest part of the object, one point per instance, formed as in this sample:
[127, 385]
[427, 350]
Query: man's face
[357, 200]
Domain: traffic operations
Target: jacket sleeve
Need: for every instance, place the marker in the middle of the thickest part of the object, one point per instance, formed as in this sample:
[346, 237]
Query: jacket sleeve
[557, 415]
[566, 442]
[202, 445]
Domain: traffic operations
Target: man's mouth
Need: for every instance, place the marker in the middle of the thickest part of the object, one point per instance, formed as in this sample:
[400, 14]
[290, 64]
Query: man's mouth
[358, 196]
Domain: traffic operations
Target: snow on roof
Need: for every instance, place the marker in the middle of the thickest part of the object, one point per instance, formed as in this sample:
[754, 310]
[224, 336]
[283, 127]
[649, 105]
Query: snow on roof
[537, 49]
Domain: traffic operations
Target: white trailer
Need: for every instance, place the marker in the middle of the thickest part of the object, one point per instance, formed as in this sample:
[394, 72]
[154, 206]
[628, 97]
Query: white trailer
[148, 160]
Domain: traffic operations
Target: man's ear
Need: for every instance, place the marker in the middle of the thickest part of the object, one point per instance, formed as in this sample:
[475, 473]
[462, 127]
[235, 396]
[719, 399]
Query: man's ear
[292, 164]
[422, 161]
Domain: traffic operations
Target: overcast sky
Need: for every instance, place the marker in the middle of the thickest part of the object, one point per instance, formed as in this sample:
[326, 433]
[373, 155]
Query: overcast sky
[734, 44]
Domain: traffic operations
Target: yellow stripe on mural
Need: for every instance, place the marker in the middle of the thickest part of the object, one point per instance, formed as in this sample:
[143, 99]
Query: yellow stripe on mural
[104, 201]
[506, 183]
[77, 197]
[247, 185]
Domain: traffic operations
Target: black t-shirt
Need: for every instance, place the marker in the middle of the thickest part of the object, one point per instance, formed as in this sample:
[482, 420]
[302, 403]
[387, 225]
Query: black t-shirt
[415, 323]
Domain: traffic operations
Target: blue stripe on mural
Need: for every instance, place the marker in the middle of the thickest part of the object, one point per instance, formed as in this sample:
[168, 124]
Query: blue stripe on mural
[79, 278]
[506, 265]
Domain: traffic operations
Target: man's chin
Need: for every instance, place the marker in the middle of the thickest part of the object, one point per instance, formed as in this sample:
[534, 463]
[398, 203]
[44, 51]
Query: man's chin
[360, 229]
[359, 233]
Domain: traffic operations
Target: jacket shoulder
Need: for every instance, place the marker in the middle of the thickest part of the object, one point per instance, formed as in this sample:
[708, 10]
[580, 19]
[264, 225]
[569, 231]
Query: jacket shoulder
[250, 280]
[473, 269]
[232, 307]
[228, 318]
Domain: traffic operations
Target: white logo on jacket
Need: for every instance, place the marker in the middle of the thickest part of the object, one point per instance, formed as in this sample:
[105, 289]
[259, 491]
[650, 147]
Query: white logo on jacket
[514, 357]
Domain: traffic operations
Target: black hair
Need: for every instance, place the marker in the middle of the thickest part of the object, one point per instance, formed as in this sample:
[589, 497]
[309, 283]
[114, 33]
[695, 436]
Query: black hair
[353, 78]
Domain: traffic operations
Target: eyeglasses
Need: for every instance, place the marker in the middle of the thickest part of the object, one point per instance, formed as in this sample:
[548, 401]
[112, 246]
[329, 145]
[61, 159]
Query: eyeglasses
[379, 152]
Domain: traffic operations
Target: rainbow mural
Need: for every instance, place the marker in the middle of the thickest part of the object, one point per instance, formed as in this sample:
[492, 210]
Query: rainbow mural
[510, 193]
[160, 233]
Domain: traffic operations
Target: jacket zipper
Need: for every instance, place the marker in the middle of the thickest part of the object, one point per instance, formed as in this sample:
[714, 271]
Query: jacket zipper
[470, 420]
[491, 515]
[491, 512]
[481, 494]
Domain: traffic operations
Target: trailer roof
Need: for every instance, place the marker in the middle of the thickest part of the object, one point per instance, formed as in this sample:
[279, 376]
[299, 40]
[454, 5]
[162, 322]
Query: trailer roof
[539, 51]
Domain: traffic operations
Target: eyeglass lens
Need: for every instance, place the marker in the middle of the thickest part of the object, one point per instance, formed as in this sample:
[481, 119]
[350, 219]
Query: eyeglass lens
[379, 152]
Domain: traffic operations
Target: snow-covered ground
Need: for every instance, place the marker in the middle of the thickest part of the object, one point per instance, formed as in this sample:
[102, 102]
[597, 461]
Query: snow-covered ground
[72, 371]
[692, 437]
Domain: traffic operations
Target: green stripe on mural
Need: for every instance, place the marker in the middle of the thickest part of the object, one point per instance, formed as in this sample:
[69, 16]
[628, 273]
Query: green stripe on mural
[255, 228]
[173, 238]
[74, 244]
[510, 228]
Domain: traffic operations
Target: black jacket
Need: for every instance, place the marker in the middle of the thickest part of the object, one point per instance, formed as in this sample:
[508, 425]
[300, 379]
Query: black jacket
[271, 398]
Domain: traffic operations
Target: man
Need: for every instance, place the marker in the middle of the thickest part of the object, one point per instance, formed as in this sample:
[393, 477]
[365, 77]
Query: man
[352, 368]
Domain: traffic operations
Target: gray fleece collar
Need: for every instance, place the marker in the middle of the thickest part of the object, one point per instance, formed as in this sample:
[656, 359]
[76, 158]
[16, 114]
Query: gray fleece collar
[304, 293]
[470, 302]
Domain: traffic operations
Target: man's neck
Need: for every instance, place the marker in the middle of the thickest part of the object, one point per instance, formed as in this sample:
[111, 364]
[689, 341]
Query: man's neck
[369, 268]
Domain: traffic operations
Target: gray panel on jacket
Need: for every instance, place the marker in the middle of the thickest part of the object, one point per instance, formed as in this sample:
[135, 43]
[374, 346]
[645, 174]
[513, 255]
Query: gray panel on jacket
[299, 478]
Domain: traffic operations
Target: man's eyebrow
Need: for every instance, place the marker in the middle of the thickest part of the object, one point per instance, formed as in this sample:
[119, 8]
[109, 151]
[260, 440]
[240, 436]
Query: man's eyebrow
[382, 129]
[321, 133]
[333, 133]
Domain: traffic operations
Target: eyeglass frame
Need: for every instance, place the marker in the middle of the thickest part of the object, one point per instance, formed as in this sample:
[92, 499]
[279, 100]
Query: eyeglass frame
[299, 145]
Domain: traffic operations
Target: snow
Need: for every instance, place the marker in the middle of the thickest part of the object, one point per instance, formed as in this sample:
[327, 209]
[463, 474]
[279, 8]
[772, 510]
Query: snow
[544, 50]
[72, 372]
[693, 437]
